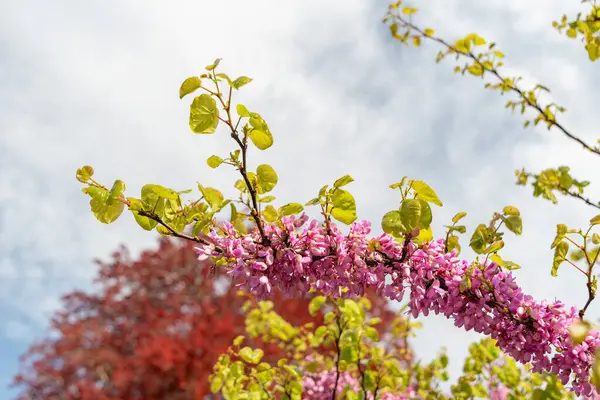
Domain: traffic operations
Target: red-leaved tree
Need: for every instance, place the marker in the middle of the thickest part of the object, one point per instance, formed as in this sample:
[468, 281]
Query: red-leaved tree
[153, 330]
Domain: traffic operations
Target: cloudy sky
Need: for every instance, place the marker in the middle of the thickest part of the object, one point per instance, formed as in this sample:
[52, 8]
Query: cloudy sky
[96, 82]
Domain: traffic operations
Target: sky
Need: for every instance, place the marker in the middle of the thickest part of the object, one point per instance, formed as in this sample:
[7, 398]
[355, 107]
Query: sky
[97, 83]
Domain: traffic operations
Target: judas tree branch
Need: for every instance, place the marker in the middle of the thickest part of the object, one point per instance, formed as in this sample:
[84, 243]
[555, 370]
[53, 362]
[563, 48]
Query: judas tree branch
[494, 71]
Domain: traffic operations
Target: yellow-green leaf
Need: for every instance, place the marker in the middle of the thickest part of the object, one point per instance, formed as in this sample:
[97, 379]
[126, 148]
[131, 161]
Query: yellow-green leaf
[344, 206]
[105, 213]
[425, 235]
[115, 192]
[290, 209]
[561, 230]
[391, 223]
[578, 331]
[560, 254]
[510, 210]
[595, 220]
[214, 161]
[145, 222]
[425, 192]
[204, 114]
[410, 214]
[84, 173]
[514, 223]
[241, 81]
[459, 216]
[267, 178]
[343, 181]
[242, 110]
[478, 239]
[315, 304]
[261, 139]
[213, 65]
[189, 85]
[494, 247]
[213, 197]
[270, 213]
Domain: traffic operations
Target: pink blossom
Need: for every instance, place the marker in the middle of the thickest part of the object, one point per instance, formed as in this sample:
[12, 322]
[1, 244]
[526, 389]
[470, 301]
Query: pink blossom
[302, 256]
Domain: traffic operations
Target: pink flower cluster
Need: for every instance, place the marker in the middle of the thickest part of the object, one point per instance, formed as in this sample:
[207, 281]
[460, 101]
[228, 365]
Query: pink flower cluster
[319, 386]
[302, 255]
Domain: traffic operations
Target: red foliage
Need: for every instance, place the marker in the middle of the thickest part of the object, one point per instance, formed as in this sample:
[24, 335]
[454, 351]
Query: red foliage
[153, 330]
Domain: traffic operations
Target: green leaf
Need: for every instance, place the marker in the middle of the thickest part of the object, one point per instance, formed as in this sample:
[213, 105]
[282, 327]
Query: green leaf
[266, 199]
[257, 355]
[261, 139]
[459, 216]
[349, 353]
[160, 191]
[267, 178]
[425, 235]
[204, 114]
[238, 340]
[214, 161]
[315, 304]
[226, 77]
[593, 51]
[510, 210]
[392, 223]
[188, 86]
[560, 254]
[371, 333]
[344, 206]
[242, 110]
[561, 230]
[313, 202]
[105, 213]
[145, 222]
[509, 265]
[84, 173]
[514, 223]
[290, 209]
[115, 192]
[213, 197]
[213, 65]
[241, 81]
[425, 192]
[494, 247]
[270, 213]
[246, 354]
[478, 240]
[426, 216]
[596, 372]
[595, 220]
[456, 228]
[453, 243]
[151, 201]
[321, 330]
[410, 214]
[216, 383]
[343, 181]
[578, 331]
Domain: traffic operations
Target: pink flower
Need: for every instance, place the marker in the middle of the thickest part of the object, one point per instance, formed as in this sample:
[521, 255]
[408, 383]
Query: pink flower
[302, 256]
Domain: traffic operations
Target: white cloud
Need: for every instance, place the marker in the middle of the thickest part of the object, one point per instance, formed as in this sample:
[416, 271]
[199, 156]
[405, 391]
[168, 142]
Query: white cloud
[96, 82]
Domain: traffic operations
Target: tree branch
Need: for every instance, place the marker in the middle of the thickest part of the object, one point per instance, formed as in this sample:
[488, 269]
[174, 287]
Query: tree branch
[494, 71]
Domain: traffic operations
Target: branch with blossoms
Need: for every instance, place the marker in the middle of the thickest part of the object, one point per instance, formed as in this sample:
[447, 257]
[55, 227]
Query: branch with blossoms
[480, 297]
[262, 246]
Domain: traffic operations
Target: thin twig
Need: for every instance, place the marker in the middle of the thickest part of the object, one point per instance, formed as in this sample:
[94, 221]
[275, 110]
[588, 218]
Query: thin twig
[495, 72]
